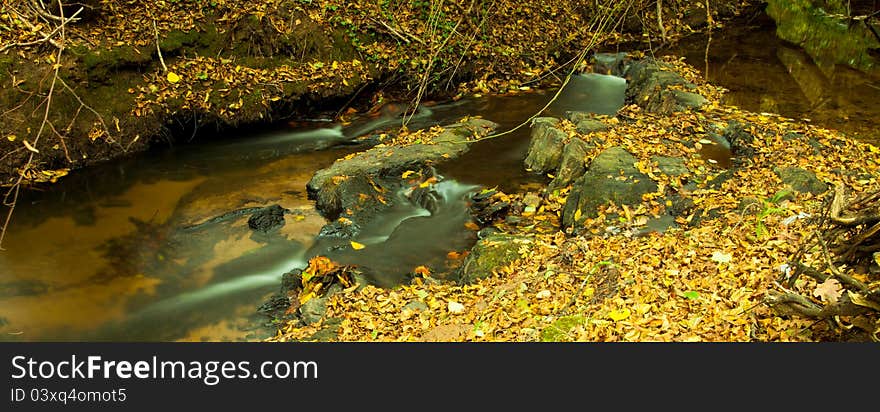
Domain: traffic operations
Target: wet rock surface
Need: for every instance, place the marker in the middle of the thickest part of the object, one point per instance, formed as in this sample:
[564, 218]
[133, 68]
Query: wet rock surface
[267, 218]
[340, 187]
[491, 253]
[611, 177]
[545, 146]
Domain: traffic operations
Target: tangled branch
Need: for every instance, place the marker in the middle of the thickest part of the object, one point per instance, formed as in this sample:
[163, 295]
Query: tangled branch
[847, 237]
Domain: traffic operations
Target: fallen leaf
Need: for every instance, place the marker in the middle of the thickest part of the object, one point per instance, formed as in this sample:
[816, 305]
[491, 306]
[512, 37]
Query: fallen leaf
[454, 307]
[172, 77]
[721, 257]
[618, 315]
[422, 270]
[829, 291]
[357, 246]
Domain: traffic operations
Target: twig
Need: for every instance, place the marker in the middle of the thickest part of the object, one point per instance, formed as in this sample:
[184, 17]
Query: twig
[16, 187]
[158, 50]
[401, 34]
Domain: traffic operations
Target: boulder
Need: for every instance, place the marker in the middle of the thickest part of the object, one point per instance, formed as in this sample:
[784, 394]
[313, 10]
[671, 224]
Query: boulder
[340, 186]
[671, 166]
[801, 180]
[490, 253]
[611, 177]
[649, 87]
[572, 165]
[588, 126]
[545, 146]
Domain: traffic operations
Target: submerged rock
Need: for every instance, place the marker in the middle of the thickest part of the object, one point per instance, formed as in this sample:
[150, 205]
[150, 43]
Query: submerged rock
[267, 218]
[611, 177]
[545, 146]
[491, 253]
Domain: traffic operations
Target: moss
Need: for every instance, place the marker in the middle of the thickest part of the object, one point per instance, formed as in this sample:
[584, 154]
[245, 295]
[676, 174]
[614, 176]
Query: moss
[558, 331]
[490, 254]
[205, 40]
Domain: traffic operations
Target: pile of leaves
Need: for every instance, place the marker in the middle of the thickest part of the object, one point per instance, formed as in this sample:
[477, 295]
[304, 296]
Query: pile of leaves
[711, 278]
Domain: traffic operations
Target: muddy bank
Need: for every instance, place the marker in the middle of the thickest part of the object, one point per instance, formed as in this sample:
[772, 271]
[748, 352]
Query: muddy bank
[130, 76]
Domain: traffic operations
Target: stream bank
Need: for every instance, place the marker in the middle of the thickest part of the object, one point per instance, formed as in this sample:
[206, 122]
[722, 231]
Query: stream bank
[131, 76]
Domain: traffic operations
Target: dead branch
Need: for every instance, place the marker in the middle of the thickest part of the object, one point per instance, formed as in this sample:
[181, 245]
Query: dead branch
[795, 304]
[399, 33]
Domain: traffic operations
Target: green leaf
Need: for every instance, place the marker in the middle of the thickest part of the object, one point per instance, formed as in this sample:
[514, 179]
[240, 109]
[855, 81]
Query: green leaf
[691, 294]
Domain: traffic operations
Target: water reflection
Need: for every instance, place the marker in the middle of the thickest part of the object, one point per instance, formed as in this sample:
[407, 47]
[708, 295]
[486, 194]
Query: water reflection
[764, 73]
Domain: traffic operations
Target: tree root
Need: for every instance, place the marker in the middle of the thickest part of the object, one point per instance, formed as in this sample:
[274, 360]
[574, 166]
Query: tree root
[846, 237]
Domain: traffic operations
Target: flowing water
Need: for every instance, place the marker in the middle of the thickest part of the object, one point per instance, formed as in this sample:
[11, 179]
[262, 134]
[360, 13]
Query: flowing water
[133, 249]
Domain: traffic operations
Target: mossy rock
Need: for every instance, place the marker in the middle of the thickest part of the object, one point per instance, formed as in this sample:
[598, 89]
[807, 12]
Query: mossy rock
[558, 331]
[801, 180]
[612, 177]
[491, 253]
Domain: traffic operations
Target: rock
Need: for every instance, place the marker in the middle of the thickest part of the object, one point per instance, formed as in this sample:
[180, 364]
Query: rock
[614, 64]
[588, 126]
[740, 141]
[532, 201]
[545, 146]
[611, 177]
[720, 179]
[329, 331]
[658, 225]
[801, 180]
[681, 206]
[313, 310]
[576, 116]
[454, 307]
[671, 166]
[489, 254]
[415, 306]
[340, 186]
[687, 100]
[649, 88]
[571, 166]
[267, 218]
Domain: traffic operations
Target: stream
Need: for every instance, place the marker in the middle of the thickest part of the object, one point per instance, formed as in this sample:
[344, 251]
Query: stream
[130, 250]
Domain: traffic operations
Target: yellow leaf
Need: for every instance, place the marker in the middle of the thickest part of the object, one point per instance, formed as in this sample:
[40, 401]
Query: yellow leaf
[357, 246]
[11, 137]
[577, 215]
[618, 315]
[306, 297]
[406, 174]
[172, 77]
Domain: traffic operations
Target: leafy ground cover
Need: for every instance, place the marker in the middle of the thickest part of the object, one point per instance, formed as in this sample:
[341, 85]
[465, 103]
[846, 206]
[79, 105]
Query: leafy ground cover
[712, 278]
